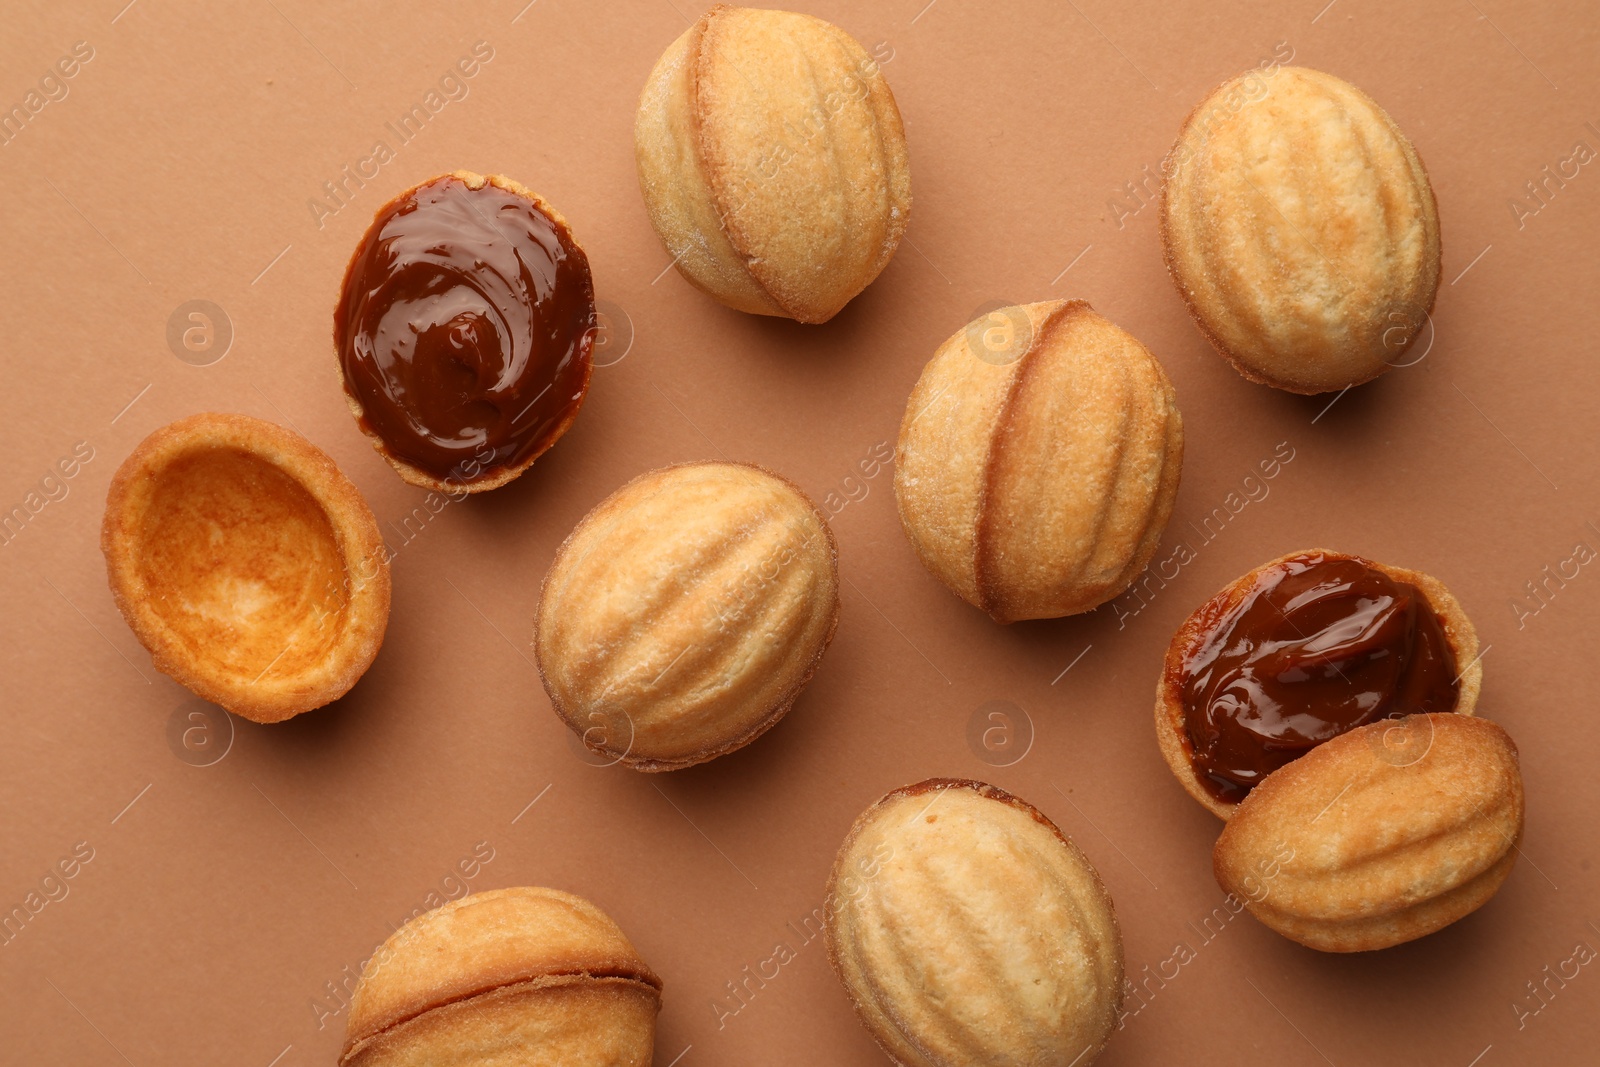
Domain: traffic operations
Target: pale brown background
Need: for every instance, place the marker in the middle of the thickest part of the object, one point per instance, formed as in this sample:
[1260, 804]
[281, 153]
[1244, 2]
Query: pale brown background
[219, 905]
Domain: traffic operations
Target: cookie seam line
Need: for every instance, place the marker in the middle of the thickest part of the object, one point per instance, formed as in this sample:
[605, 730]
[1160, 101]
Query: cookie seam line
[989, 598]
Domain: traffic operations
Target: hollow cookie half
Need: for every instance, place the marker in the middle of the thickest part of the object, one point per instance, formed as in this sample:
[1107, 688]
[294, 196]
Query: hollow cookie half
[247, 564]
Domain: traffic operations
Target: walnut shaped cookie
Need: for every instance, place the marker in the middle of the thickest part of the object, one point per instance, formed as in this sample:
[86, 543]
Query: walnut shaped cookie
[773, 162]
[1038, 461]
[967, 929]
[502, 978]
[685, 613]
[1382, 835]
[1301, 230]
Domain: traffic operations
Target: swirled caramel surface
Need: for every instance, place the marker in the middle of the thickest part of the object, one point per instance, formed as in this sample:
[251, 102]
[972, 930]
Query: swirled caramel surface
[1317, 646]
[464, 329]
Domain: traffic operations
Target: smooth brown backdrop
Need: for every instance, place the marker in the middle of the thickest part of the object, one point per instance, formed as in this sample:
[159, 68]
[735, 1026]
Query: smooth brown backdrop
[218, 907]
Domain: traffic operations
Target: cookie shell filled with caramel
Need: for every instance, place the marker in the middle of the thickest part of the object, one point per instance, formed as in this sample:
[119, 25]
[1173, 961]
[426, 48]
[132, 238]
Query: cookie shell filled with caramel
[507, 976]
[1038, 461]
[247, 564]
[685, 613]
[1301, 230]
[772, 161]
[967, 929]
[464, 331]
[1298, 651]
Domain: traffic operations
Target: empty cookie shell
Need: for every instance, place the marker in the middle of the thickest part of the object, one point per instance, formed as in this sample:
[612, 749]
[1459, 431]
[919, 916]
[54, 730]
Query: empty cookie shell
[247, 564]
[508, 976]
[1301, 230]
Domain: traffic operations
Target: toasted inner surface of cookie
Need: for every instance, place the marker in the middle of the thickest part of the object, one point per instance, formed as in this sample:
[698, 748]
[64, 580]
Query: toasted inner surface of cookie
[968, 931]
[1302, 229]
[686, 609]
[241, 563]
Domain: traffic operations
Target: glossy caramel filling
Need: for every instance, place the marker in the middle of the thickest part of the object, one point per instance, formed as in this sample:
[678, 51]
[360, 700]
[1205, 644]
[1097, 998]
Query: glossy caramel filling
[464, 329]
[1318, 646]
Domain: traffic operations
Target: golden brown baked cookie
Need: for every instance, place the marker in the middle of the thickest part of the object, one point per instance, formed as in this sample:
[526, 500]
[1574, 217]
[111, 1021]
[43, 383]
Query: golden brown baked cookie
[967, 929]
[505, 978]
[1320, 610]
[465, 331]
[1301, 230]
[1038, 461]
[247, 564]
[681, 618]
[773, 162]
[1379, 836]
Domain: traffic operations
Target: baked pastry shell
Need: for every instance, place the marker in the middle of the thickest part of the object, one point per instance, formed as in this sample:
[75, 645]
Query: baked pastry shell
[409, 472]
[769, 716]
[1419, 303]
[247, 564]
[540, 963]
[742, 231]
[1170, 731]
[1363, 844]
[1035, 482]
[868, 1009]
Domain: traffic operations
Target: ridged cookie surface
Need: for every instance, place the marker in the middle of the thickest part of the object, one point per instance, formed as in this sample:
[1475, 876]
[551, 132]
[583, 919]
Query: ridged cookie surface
[968, 930]
[502, 978]
[1301, 230]
[1036, 469]
[685, 613]
[773, 162]
[1379, 836]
